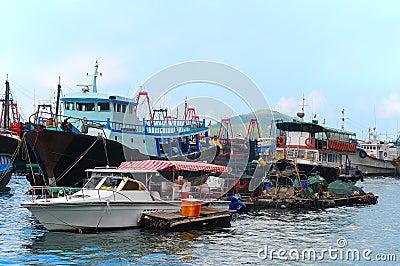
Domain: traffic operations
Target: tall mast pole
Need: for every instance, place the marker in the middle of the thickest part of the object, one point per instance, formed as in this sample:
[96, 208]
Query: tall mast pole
[58, 96]
[94, 81]
[342, 119]
[6, 106]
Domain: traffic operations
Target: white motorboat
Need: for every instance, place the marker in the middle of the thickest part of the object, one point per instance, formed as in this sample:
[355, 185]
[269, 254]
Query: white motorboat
[112, 198]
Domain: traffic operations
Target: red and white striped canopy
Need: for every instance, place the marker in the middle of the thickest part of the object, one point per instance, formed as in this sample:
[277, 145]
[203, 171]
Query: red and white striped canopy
[172, 166]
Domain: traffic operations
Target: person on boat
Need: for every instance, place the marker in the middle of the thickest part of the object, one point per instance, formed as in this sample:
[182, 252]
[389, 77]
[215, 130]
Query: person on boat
[321, 191]
[358, 175]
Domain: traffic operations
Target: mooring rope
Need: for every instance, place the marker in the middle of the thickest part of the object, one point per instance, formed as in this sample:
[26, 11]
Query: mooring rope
[76, 161]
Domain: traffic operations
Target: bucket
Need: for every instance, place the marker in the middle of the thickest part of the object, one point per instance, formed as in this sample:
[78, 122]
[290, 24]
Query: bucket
[191, 207]
[304, 184]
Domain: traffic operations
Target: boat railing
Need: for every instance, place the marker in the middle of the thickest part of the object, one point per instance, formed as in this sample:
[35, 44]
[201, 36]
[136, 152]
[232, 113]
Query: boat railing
[4, 131]
[169, 191]
[45, 192]
[175, 192]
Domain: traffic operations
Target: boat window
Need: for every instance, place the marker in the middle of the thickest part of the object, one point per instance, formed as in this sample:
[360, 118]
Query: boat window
[311, 155]
[103, 107]
[110, 183]
[85, 107]
[92, 183]
[330, 157]
[69, 106]
[124, 108]
[131, 185]
[118, 107]
[130, 109]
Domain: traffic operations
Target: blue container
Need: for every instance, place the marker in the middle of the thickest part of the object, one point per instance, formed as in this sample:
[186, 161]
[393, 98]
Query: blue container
[267, 186]
[304, 184]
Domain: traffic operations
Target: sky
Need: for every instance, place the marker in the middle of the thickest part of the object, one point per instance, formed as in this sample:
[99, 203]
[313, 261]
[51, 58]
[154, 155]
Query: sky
[338, 55]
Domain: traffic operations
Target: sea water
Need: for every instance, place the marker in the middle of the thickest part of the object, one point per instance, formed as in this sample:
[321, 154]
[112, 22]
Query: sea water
[337, 236]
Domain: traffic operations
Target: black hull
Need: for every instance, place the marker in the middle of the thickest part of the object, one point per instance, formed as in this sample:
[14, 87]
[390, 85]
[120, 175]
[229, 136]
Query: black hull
[5, 179]
[64, 156]
[330, 174]
[8, 145]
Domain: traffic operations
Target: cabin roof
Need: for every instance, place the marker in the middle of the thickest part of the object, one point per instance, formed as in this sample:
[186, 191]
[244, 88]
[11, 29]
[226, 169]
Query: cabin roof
[311, 127]
[95, 96]
[151, 165]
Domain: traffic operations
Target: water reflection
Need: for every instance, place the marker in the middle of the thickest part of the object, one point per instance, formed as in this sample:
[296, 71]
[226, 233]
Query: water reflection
[23, 240]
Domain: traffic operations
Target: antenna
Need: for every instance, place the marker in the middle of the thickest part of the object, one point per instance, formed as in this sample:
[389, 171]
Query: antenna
[342, 119]
[301, 113]
[94, 80]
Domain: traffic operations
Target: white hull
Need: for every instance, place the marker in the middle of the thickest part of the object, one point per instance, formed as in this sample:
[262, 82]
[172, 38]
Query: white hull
[371, 166]
[96, 215]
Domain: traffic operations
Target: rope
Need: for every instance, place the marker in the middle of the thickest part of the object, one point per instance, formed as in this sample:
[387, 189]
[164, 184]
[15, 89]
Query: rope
[13, 157]
[105, 147]
[76, 161]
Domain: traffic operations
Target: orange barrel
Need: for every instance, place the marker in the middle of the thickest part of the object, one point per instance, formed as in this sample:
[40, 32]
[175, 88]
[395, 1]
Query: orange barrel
[191, 207]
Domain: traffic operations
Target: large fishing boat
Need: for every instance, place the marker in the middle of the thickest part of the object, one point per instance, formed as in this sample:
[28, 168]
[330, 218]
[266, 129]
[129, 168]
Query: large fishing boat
[376, 158]
[103, 129]
[311, 148]
[9, 136]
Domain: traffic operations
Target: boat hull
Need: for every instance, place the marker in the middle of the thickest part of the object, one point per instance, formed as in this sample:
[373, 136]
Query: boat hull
[5, 177]
[64, 156]
[8, 145]
[329, 173]
[372, 166]
[94, 216]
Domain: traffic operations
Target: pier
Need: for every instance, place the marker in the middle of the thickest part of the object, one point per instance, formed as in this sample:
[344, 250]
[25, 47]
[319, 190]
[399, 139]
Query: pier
[209, 218]
[261, 202]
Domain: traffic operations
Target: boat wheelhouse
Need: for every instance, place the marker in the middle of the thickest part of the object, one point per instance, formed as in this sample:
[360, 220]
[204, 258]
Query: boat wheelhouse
[313, 147]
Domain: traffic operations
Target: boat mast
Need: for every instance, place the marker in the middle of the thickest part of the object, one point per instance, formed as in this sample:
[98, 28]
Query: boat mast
[58, 95]
[94, 80]
[301, 113]
[342, 119]
[6, 106]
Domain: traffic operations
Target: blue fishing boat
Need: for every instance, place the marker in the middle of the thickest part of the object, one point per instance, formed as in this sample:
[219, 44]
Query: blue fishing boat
[98, 129]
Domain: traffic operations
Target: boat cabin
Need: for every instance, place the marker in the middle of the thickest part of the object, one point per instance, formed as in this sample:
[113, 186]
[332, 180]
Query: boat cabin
[309, 141]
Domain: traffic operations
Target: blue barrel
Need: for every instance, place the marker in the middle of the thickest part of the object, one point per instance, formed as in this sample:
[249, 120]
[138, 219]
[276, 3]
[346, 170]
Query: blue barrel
[304, 184]
[267, 186]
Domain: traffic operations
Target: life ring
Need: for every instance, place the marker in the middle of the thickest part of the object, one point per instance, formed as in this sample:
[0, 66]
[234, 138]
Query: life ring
[281, 140]
[385, 154]
[363, 154]
[309, 142]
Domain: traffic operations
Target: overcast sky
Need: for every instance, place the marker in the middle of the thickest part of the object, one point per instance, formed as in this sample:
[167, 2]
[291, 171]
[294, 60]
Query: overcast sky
[338, 54]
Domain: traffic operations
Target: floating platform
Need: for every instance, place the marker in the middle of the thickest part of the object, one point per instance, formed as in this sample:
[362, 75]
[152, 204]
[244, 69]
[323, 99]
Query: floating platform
[261, 203]
[209, 218]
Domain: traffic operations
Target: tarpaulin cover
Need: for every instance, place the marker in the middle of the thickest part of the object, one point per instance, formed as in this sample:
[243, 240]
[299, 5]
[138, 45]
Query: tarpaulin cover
[173, 166]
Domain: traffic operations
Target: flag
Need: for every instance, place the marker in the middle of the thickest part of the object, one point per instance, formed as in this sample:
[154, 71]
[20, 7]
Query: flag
[315, 116]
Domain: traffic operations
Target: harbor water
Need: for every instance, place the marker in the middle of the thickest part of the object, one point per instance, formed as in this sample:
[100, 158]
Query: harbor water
[338, 236]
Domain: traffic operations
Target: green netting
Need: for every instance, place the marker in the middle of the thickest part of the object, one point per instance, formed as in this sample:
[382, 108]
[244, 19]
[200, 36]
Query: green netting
[340, 188]
[315, 183]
